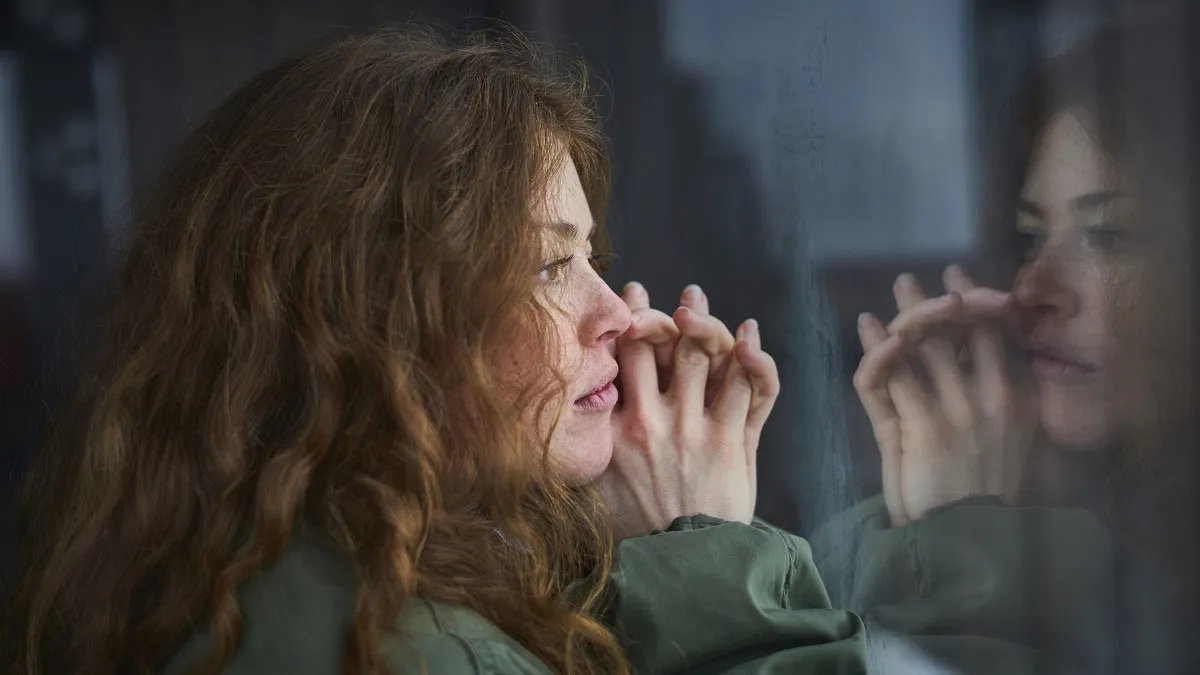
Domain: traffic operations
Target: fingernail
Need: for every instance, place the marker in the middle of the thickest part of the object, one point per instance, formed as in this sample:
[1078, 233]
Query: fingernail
[905, 280]
[864, 320]
[635, 287]
[636, 319]
[954, 270]
[692, 292]
[685, 309]
[752, 328]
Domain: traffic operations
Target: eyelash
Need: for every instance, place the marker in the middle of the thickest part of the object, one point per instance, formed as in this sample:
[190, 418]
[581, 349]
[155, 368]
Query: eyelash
[1031, 240]
[599, 263]
[1104, 238]
[553, 266]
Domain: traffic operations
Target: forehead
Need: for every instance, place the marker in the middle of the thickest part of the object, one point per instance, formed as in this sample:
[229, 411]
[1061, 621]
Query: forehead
[1068, 160]
[564, 208]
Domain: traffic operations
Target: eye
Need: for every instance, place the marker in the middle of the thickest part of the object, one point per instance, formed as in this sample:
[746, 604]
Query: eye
[1106, 238]
[1031, 241]
[552, 272]
[601, 262]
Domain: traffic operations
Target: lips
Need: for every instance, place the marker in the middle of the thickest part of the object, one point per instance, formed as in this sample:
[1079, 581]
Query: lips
[1053, 363]
[602, 395]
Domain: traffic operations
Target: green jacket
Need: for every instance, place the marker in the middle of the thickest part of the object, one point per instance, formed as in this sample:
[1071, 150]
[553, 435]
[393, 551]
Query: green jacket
[705, 596]
[977, 588]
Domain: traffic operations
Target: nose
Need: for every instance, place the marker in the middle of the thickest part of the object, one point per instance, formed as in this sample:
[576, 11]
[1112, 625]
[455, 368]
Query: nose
[1042, 287]
[608, 319]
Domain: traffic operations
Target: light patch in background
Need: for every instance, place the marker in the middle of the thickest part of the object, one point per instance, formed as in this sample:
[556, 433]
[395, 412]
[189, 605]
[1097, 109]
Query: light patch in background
[868, 102]
[16, 252]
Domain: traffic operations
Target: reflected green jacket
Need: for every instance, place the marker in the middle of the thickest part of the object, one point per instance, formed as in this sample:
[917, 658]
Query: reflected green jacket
[977, 588]
[705, 596]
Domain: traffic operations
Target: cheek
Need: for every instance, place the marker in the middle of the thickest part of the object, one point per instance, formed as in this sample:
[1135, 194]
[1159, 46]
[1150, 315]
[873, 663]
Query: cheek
[1153, 331]
[1129, 315]
[528, 364]
[565, 330]
[1137, 351]
[1105, 328]
[529, 353]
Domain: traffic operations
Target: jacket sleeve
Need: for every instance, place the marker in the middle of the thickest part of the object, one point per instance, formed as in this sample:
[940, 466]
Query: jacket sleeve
[976, 586]
[709, 596]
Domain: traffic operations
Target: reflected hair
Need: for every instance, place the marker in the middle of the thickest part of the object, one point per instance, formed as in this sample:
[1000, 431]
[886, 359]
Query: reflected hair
[1135, 84]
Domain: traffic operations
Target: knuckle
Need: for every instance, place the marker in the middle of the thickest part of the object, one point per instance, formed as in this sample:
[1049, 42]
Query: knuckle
[640, 429]
[689, 354]
[740, 384]
[688, 438]
[1002, 405]
[861, 379]
[965, 417]
[768, 390]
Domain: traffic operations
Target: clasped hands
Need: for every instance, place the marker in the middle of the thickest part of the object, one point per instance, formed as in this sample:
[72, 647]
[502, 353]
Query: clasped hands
[693, 400]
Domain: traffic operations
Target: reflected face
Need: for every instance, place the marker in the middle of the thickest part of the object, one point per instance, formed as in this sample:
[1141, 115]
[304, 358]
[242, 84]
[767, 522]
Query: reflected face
[1085, 259]
[588, 317]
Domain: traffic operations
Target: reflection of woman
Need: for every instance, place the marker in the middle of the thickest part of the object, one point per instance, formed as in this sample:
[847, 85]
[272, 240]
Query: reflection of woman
[1102, 306]
[356, 408]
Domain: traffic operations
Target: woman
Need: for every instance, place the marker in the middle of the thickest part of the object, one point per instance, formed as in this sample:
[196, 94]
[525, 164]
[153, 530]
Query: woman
[355, 408]
[1037, 511]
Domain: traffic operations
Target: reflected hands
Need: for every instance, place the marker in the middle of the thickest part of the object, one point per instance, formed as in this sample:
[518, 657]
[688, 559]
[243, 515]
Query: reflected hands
[949, 419]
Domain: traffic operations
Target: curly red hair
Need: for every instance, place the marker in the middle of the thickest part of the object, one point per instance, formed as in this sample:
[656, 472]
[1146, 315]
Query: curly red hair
[306, 307]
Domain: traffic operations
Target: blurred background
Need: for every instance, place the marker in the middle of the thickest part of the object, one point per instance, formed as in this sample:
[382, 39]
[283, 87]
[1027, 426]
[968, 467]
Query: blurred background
[790, 156]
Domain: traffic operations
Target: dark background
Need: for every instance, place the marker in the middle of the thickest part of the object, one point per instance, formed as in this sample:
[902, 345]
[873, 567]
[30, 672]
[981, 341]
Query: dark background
[749, 159]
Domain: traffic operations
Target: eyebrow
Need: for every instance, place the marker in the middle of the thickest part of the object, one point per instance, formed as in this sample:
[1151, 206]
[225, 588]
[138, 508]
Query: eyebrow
[569, 230]
[1086, 202]
[1095, 200]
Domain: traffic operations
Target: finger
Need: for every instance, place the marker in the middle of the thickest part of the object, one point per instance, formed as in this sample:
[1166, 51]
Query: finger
[881, 354]
[691, 362]
[986, 342]
[662, 334]
[937, 353]
[710, 332]
[635, 354]
[636, 296]
[695, 299]
[653, 327]
[881, 351]
[892, 368]
[977, 304]
[908, 292]
[940, 358]
[731, 405]
[763, 374]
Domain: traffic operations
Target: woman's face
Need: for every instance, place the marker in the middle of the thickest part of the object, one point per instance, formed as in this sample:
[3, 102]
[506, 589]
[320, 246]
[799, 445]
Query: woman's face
[1074, 290]
[588, 317]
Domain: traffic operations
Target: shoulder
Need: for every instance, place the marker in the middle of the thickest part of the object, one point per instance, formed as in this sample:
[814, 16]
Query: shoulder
[298, 614]
[454, 639]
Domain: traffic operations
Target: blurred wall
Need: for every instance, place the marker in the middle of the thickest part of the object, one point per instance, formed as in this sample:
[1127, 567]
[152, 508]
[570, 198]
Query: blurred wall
[179, 58]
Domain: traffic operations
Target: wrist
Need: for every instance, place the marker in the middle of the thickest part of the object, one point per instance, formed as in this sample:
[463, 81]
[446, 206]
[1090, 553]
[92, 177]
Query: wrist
[970, 500]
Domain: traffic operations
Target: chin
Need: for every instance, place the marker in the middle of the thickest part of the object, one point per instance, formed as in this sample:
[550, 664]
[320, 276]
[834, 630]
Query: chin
[585, 453]
[1070, 424]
